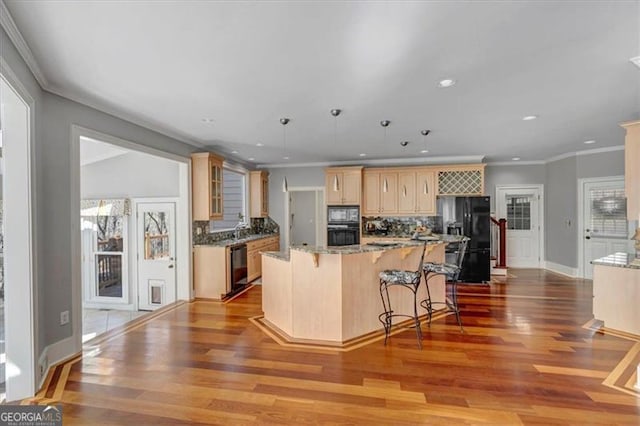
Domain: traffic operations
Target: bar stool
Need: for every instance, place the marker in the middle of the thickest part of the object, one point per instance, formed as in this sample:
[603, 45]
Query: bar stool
[406, 279]
[452, 272]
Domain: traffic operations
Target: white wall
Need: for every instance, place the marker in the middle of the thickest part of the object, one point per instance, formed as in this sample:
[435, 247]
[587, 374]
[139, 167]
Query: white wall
[130, 175]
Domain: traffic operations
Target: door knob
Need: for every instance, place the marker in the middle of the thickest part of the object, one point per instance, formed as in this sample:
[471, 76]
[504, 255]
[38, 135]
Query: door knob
[170, 266]
[587, 237]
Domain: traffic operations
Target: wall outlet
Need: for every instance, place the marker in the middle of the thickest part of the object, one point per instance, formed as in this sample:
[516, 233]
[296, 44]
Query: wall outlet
[64, 317]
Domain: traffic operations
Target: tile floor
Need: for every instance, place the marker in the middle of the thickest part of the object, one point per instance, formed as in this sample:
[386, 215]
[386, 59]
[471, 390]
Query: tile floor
[98, 321]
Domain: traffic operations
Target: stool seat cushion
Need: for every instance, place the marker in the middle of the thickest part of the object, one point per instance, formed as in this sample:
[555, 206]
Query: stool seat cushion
[396, 276]
[441, 268]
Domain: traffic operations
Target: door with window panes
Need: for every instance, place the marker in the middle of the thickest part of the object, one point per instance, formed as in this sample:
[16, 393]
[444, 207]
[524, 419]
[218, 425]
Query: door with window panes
[156, 255]
[104, 253]
[605, 221]
[520, 207]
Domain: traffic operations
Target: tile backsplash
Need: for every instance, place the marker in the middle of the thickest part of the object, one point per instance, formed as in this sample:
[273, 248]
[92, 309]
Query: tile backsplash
[258, 226]
[399, 226]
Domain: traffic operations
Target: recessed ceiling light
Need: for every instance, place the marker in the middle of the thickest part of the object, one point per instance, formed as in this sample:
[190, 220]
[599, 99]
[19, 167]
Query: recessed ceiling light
[285, 158]
[516, 158]
[636, 61]
[447, 82]
[529, 117]
[251, 158]
[363, 155]
[424, 151]
[207, 120]
[234, 152]
[259, 144]
[589, 142]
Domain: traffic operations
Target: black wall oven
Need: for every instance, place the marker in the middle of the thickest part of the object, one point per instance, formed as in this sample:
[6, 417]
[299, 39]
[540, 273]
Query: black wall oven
[343, 225]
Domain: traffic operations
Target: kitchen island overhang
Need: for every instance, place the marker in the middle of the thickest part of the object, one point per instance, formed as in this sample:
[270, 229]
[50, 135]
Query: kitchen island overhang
[330, 295]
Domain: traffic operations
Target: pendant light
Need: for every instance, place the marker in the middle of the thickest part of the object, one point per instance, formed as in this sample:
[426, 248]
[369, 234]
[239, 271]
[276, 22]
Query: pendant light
[284, 121]
[385, 124]
[335, 113]
[424, 142]
[424, 133]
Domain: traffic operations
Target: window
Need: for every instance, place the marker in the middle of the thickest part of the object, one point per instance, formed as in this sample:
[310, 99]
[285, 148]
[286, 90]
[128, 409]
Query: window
[608, 213]
[519, 213]
[234, 200]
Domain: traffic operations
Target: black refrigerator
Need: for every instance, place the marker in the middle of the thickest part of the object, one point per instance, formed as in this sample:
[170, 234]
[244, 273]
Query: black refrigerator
[473, 221]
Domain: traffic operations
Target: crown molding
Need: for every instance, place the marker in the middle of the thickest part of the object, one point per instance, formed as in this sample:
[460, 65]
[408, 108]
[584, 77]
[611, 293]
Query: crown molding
[584, 152]
[9, 25]
[515, 163]
[462, 159]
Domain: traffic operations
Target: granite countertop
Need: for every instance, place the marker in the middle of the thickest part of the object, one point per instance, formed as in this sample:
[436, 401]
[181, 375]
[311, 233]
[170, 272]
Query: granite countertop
[619, 260]
[232, 241]
[281, 255]
[363, 248]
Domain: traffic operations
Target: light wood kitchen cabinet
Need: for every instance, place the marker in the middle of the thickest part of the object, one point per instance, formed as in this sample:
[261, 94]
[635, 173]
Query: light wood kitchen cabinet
[426, 192]
[259, 194]
[462, 180]
[343, 185]
[380, 192]
[407, 192]
[410, 191]
[210, 271]
[206, 184]
[254, 255]
[632, 169]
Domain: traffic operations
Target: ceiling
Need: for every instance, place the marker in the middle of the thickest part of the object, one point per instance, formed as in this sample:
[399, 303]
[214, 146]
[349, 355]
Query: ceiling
[244, 65]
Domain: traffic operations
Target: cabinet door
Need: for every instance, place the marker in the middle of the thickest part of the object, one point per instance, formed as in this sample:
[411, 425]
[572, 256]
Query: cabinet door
[388, 193]
[333, 187]
[426, 192]
[406, 192]
[264, 181]
[352, 188]
[251, 265]
[371, 194]
[215, 189]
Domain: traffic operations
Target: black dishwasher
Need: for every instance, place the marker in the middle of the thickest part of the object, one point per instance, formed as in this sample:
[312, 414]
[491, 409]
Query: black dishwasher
[238, 268]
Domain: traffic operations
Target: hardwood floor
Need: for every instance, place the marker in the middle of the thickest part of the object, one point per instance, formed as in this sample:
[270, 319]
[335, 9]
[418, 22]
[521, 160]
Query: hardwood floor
[525, 358]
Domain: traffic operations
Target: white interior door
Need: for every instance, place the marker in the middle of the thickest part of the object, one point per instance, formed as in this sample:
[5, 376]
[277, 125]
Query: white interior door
[156, 255]
[520, 206]
[604, 219]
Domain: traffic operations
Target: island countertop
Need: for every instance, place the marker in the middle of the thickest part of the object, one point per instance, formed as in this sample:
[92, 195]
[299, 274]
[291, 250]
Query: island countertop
[619, 260]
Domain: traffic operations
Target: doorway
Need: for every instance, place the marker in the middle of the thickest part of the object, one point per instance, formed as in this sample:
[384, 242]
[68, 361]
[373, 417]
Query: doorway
[127, 189]
[603, 228]
[17, 298]
[522, 206]
[305, 217]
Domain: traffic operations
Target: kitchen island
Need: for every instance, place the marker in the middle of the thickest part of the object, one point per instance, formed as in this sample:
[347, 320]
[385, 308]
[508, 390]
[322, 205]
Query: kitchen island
[331, 295]
[616, 292]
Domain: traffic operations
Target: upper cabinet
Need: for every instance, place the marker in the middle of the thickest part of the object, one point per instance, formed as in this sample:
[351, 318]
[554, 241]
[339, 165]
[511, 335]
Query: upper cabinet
[343, 185]
[259, 191]
[399, 191]
[632, 169]
[380, 192]
[461, 180]
[206, 183]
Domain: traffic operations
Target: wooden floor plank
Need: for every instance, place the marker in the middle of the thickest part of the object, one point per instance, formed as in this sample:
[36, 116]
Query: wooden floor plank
[529, 355]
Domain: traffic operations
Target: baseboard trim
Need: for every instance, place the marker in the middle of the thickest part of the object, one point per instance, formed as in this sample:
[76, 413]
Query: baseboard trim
[55, 354]
[561, 269]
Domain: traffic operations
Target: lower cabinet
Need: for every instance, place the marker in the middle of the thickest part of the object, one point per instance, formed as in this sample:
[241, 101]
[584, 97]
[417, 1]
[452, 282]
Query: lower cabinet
[254, 255]
[210, 271]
